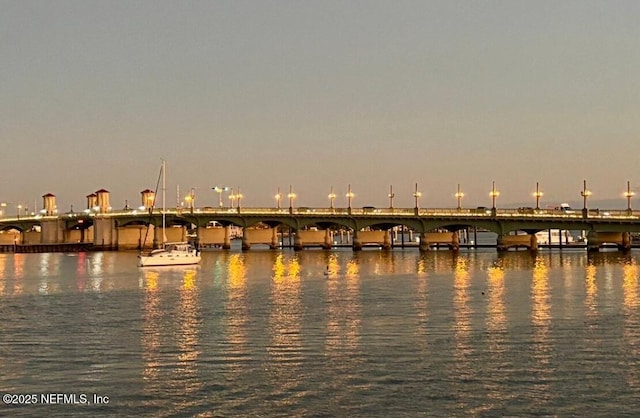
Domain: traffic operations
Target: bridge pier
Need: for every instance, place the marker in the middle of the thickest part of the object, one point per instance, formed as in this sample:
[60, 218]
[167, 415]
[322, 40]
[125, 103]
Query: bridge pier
[327, 239]
[357, 244]
[596, 239]
[246, 244]
[386, 244]
[297, 242]
[424, 243]
[226, 244]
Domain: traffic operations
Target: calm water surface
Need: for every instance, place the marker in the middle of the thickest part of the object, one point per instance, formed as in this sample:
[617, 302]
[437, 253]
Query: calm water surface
[267, 333]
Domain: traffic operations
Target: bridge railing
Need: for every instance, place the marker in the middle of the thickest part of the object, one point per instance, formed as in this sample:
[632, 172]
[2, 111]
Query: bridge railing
[481, 212]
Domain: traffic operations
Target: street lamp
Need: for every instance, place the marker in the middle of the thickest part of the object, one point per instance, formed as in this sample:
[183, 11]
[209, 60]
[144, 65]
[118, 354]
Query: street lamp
[459, 195]
[416, 196]
[190, 199]
[291, 196]
[3, 207]
[239, 196]
[629, 194]
[278, 198]
[19, 207]
[538, 194]
[391, 196]
[585, 194]
[332, 198]
[350, 196]
[494, 194]
[232, 198]
[220, 190]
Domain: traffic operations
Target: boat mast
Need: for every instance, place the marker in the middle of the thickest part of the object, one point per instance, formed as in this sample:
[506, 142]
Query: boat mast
[164, 209]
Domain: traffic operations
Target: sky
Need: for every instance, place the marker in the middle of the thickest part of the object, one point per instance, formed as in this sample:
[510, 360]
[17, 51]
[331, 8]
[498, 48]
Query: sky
[265, 94]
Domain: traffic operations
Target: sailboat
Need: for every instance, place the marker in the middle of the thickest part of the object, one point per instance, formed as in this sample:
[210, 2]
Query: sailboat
[170, 253]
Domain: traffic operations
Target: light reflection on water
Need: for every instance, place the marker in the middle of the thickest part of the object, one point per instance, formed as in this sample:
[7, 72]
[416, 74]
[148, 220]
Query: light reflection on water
[327, 333]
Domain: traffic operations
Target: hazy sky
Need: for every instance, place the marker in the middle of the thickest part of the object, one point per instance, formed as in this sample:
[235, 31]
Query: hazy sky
[264, 94]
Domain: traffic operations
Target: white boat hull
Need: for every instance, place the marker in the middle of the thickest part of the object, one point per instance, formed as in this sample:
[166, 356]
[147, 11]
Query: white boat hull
[174, 260]
[174, 254]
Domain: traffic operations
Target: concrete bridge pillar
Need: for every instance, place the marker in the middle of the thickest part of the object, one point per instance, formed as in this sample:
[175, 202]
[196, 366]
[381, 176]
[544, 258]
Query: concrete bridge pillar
[500, 244]
[386, 244]
[226, 245]
[52, 232]
[626, 241]
[105, 234]
[158, 237]
[297, 242]
[246, 244]
[455, 241]
[534, 242]
[327, 239]
[274, 238]
[424, 242]
[593, 243]
[357, 244]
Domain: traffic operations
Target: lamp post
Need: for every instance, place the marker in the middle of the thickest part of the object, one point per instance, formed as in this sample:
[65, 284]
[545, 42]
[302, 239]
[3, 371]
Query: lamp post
[585, 194]
[629, 194]
[3, 208]
[332, 198]
[19, 207]
[390, 195]
[416, 196]
[494, 194]
[538, 194]
[350, 196]
[459, 195]
[239, 196]
[220, 190]
[232, 197]
[291, 196]
[192, 199]
[278, 198]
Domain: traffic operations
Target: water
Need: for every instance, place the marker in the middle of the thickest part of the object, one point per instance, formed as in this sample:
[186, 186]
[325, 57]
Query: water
[268, 333]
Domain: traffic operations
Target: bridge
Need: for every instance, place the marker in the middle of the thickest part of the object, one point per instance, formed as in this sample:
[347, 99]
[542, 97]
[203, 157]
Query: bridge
[104, 229]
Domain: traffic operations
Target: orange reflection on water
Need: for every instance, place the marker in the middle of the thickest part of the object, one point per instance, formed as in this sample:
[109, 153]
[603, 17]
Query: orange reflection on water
[237, 271]
[631, 332]
[540, 307]
[343, 312]
[3, 275]
[461, 296]
[285, 320]
[188, 335]
[541, 321]
[630, 286]
[591, 288]
[151, 315]
[333, 266]
[236, 312]
[463, 351]
[18, 271]
[496, 320]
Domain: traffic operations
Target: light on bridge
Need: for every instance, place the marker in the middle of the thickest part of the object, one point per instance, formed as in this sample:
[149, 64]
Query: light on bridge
[459, 195]
[350, 196]
[494, 195]
[629, 194]
[538, 194]
[220, 190]
[239, 196]
[391, 196]
[291, 196]
[416, 196]
[278, 198]
[585, 193]
[332, 198]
